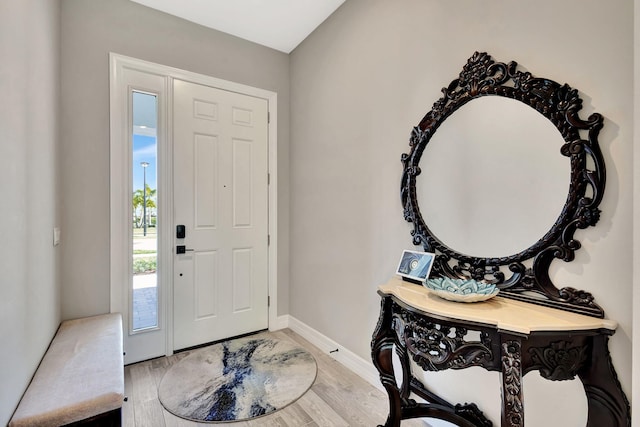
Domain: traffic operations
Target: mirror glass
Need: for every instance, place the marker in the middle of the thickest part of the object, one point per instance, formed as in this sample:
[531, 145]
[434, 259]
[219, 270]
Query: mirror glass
[492, 178]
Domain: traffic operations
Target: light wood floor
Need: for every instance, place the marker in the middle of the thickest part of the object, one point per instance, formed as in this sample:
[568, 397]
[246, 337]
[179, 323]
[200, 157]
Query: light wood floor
[337, 398]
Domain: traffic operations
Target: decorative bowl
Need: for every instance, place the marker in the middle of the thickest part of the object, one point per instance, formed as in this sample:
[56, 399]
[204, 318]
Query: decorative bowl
[461, 290]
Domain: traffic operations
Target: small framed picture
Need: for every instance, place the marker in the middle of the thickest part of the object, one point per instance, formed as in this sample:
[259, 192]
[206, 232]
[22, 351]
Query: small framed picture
[415, 266]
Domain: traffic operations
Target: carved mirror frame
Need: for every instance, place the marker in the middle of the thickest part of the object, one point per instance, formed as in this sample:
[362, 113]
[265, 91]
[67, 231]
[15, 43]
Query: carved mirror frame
[561, 104]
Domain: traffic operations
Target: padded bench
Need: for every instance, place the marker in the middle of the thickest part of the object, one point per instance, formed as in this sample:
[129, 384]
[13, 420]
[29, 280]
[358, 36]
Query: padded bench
[80, 380]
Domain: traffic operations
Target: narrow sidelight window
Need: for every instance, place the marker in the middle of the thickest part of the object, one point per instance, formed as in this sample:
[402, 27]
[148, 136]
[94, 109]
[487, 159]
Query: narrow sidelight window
[144, 216]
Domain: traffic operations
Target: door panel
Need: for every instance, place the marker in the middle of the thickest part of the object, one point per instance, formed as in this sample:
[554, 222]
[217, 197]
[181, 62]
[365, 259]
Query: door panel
[242, 266]
[206, 284]
[221, 196]
[242, 183]
[205, 183]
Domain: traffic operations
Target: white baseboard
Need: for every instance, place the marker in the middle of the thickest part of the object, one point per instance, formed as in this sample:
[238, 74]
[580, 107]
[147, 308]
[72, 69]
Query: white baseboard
[355, 363]
[280, 322]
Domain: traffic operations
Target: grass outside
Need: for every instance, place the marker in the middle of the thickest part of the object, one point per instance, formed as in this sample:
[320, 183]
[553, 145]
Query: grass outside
[144, 264]
[138, 233]
[144, 251]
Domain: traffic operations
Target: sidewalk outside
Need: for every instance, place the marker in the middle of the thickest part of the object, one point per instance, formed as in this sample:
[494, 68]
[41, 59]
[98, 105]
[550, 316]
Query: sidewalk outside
[145, 295]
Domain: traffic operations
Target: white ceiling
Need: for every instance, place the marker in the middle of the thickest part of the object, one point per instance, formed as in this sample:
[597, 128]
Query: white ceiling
[279, 24]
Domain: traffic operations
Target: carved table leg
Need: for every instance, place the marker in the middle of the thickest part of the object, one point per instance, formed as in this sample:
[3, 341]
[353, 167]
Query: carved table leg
[381, 353]
[512, 398]
[608, 405]
[405, 362]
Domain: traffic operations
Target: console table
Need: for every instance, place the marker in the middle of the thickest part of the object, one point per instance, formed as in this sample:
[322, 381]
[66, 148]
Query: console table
[514, 338]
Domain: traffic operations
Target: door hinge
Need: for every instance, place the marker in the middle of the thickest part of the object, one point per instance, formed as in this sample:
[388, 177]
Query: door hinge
[268, 179]
[268, 116]
[268, 300]
[268, 239]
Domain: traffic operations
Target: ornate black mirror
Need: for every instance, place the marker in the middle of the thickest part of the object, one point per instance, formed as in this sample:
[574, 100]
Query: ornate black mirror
[564, 163]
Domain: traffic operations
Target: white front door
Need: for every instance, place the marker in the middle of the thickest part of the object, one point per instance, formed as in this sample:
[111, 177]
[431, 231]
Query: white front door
[220, 167]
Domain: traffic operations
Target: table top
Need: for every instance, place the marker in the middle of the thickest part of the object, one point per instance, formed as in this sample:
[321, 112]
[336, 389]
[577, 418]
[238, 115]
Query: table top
[503, 313]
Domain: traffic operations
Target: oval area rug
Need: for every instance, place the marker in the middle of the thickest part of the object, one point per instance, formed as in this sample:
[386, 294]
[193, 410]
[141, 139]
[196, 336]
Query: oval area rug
[237, 380]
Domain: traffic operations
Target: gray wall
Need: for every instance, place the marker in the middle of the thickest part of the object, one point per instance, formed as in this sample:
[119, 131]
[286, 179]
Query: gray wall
[359, 84]
[90, 30]
[636, 208]
[29, 190]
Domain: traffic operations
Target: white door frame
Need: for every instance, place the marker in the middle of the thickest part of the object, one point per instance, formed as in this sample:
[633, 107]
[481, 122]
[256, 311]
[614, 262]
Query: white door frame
[120, 178]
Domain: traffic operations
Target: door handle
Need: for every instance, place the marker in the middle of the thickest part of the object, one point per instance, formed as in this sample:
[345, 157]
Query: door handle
[181, 249]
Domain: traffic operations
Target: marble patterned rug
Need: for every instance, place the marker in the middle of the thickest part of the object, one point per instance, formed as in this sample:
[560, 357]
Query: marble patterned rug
[237, 380]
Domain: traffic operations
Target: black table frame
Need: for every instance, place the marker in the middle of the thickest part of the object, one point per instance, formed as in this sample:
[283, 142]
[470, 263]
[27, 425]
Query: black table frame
[438, 343]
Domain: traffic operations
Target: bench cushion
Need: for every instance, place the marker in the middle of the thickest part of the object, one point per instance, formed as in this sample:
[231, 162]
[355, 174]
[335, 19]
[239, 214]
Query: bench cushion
[81, 374]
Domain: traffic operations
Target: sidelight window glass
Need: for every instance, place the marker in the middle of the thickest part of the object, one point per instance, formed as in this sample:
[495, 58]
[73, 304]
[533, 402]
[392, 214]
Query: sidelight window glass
[144, 218]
